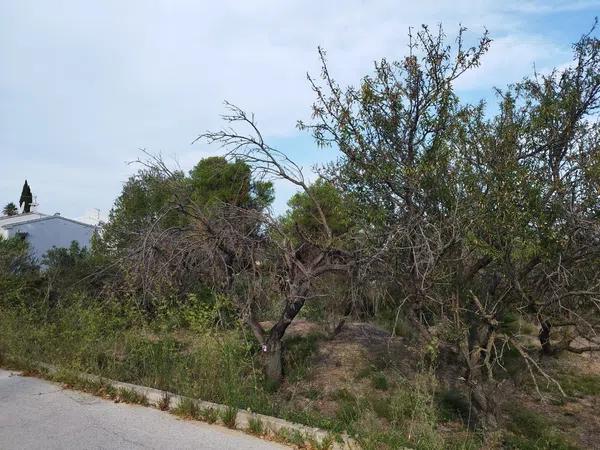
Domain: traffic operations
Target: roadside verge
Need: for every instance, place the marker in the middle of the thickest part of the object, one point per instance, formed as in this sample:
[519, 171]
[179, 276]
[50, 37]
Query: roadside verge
[271, 428]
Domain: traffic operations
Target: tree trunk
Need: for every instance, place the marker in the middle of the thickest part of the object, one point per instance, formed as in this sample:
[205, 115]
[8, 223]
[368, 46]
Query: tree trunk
[273, 362]
[544, 337]
[484, 406]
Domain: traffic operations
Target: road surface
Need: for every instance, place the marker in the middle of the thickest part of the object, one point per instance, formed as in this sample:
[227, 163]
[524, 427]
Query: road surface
[37, 414]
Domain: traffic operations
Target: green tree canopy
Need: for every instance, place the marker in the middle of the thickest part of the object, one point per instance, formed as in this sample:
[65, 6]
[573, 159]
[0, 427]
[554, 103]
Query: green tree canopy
[303, 217]
[153, 196]
[215, 179]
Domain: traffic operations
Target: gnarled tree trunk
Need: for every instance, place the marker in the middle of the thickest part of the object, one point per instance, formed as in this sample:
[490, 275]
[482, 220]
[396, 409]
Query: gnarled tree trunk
[273, 360]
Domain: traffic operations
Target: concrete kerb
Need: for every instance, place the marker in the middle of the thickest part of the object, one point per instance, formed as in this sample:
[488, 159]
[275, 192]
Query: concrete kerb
[156, 398]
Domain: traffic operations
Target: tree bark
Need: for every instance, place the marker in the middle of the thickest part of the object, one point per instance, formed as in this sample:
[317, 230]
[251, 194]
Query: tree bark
[544, 337]
[273, 360]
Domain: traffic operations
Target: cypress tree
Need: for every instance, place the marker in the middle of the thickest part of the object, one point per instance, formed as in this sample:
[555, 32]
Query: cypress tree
[26, 198]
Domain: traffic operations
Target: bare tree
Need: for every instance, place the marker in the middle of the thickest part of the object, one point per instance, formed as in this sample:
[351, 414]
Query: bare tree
[243, 252]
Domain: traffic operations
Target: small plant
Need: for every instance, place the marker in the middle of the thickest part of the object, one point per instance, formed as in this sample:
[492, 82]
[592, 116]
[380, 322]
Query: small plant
[364, 372]
[324, 444]
[131, 396]
[381, 407]
[577, 385]
[209, 414]
[165, 402]
[380, 382]
[187, 408]
[255, 426]
[531, 430]
[289, 436]
[229, 416]
[454, 405]
[297, 357]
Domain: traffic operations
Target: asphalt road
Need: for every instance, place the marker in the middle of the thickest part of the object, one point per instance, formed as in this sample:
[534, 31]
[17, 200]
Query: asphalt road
[37, 414]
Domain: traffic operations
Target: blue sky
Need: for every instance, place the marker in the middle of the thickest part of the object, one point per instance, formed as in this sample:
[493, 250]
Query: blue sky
[85, 85]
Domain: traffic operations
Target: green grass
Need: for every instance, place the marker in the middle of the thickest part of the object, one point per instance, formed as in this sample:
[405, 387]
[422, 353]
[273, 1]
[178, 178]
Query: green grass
[325, 444]
[222, 366]
[290, 436]
[188, 409]
[255, 426]
[209, 415]
[297, 356]
[577, 385]
[228, 417]
[380, 382]
[454, 405]
[131, 396]
[529, 430]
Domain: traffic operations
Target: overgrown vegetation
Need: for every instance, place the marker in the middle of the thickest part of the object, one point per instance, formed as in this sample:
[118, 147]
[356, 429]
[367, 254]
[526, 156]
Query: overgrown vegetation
[475, 236]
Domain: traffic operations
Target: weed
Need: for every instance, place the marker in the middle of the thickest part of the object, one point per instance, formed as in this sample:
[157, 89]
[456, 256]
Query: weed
[293, 437]
[381, 407]
[312, 393]
[229, 416]
[576, 385]
[348, 412]
[453, 405]
[298, 354]
[209, 414]
[379, 381]
[165, 402]
[187, 408]
[365, 372]
[255, 426]
[341, 395]
[530, 430]
[324, 444]
[131, 396]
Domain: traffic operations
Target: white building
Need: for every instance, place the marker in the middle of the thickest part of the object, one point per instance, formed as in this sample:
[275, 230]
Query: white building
[43, 232]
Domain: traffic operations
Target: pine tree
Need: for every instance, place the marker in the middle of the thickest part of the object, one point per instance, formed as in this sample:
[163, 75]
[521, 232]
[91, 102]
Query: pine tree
[26, 198]
[10, 209]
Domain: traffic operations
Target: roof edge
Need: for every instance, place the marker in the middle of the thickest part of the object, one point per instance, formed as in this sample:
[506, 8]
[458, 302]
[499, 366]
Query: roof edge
[47, 217]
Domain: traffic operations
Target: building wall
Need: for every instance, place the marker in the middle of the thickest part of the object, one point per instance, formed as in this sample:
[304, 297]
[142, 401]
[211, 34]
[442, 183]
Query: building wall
[52, 232]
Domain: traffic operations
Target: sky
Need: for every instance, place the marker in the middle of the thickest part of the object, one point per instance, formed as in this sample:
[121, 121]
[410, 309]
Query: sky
[85, 85]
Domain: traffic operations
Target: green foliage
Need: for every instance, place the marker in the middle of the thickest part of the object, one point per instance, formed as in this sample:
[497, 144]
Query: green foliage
[324, 444]
[290, 436]
[303, 212]
[151, 197]
[579, 384]
[214, 180]
[532, 431]
[298, 352]
[255, 426]
[188, 409]
[210, 415]
[454, 405]
[128, 395]
[14, 257]
[19, 280]
[229, 416]
[145, 199]
[380, 382]
[26, 198]
[10, 209]
[204, 314]
[74, 269]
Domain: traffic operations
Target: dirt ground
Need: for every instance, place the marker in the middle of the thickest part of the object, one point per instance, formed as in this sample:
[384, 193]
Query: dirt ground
[365, 348]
